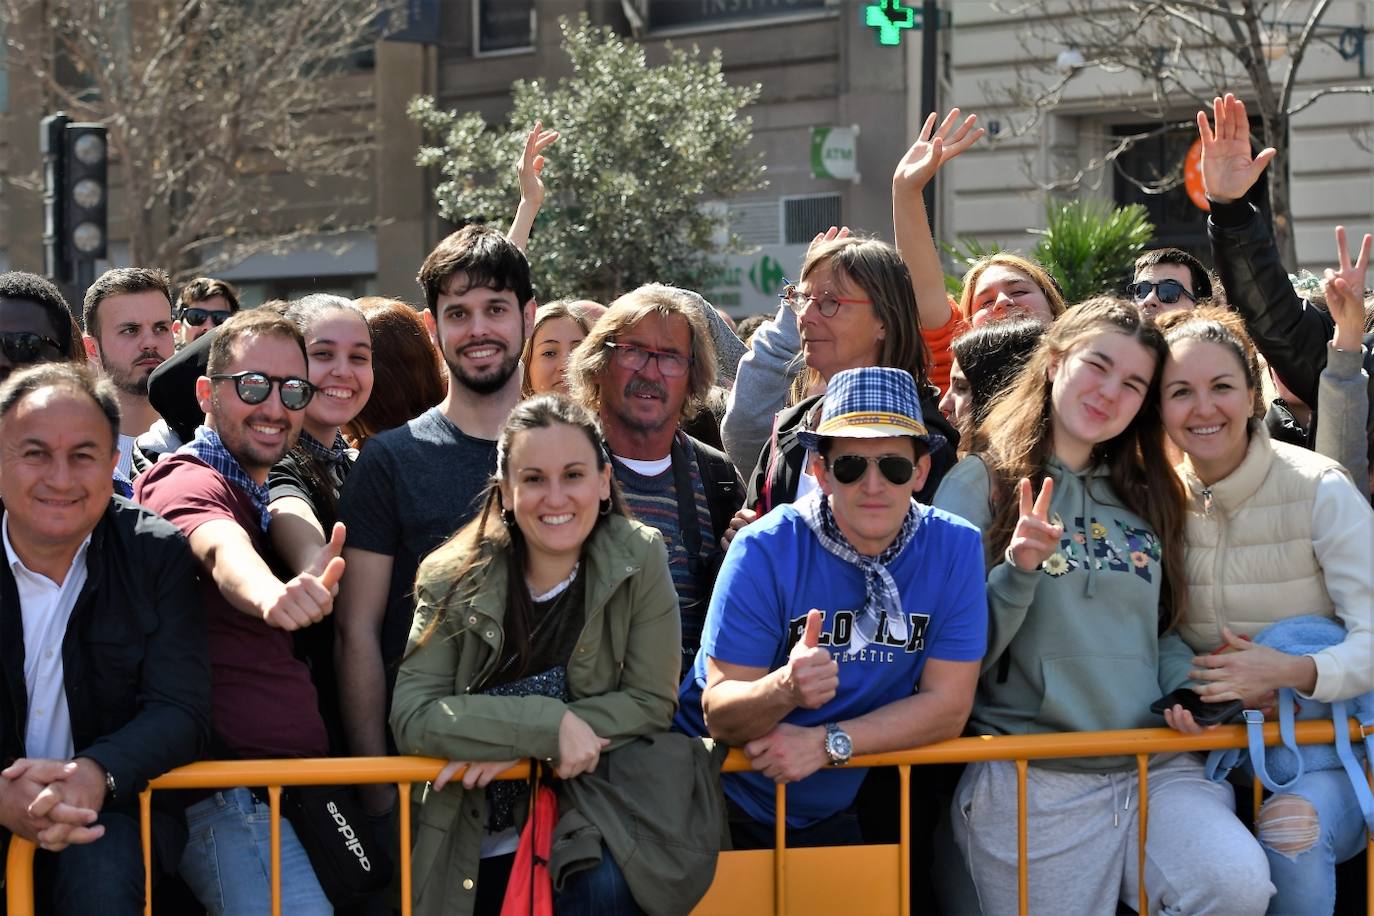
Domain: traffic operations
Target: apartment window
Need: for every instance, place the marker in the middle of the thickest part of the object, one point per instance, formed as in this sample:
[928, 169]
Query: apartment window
[803, 217]
[503, 26]
[696, 14]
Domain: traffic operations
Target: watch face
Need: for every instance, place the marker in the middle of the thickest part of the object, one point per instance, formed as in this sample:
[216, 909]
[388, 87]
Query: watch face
[840, 745]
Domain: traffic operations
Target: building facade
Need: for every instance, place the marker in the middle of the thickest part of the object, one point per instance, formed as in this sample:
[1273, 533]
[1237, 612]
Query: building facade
[837, 110]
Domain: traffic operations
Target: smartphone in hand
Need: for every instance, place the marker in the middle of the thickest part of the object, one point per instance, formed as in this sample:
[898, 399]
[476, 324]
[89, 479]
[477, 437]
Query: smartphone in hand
[1204, 713]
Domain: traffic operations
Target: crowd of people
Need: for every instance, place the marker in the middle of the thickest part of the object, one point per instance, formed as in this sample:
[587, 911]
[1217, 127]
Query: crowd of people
[590, 536]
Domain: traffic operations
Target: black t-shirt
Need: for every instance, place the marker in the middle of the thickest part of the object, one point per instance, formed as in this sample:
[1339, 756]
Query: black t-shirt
[555, 626]
[319, 484]
[411, 488]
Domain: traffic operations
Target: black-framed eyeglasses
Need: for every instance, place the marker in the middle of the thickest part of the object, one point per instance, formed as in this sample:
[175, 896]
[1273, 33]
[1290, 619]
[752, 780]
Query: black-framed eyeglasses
[628, 356]
[24, 347]
[198, 316]
[851, 468]
[1169, 291]
[255, 387]
[828, 303]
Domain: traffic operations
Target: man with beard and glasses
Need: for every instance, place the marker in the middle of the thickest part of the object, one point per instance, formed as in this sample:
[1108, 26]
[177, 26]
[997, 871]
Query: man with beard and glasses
[647, 365]
[263, 704]
[412, 487]
[128, 319]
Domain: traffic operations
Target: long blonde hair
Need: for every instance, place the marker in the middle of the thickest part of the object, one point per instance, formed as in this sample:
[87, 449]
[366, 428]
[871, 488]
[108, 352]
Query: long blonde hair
[1018, 431]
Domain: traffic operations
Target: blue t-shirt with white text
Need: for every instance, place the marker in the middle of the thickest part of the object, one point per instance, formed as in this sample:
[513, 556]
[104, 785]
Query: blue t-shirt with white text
[775, 572]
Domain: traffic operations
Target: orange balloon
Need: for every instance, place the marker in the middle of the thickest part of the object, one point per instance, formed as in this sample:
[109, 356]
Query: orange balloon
[1192, 176]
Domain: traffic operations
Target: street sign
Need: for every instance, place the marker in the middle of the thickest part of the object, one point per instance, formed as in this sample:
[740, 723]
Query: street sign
[834, 153]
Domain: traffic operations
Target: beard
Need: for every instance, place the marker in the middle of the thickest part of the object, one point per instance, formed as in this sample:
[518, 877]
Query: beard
[490, 380]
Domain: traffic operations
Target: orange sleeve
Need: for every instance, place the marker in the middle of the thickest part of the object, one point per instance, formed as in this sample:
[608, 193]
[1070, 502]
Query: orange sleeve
[938, 342]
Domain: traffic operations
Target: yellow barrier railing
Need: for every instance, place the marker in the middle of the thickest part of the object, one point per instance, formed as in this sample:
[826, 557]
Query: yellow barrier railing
[405, 771]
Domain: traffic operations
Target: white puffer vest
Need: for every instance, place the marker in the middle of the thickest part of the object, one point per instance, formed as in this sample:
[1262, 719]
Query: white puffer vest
[1248, 552]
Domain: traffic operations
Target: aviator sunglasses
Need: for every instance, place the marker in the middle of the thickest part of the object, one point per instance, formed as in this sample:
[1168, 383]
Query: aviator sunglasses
[1168, 291]
[255, 387]
[850, 468]
[23, 347]
[197, 316]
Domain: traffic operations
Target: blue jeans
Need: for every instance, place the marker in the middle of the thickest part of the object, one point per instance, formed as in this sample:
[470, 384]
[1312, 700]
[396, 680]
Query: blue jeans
[1306, 880]
[228, 859]
[599, 891]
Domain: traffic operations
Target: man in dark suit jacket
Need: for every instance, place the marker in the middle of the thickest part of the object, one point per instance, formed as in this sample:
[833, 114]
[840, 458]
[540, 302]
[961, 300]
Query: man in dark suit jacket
[105, 679]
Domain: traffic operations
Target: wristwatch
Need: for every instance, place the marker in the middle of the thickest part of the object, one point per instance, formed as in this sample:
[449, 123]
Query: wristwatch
[109, 785]
[838, 746]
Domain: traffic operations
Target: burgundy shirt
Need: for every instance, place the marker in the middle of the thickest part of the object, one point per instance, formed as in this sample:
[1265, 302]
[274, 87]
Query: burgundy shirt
[263, 703]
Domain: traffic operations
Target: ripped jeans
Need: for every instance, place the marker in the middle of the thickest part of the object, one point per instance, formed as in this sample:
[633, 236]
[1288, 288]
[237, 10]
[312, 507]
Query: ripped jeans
[1305, 844]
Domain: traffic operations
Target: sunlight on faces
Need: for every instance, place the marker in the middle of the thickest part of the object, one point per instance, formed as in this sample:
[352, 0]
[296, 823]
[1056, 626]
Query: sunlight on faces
[1206, 406]
[1003, 292]
[135, 338]
[258, 435]
[555, 489]
[339, 347]
[553, 345]
[870, 511]
[1097, 390]
[958, 400]
[852, 338]
[57, 461]
[644, 399]
[1156, 273]
[480, 332]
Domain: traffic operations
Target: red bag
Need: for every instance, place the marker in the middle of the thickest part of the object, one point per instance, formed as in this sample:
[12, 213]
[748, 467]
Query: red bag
[529, 892]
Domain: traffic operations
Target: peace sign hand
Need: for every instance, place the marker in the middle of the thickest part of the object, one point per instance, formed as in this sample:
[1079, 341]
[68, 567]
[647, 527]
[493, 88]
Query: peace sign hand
[932, 149]
[531, 164]
[1228, 170]
[1344, 289]
[1034, 539]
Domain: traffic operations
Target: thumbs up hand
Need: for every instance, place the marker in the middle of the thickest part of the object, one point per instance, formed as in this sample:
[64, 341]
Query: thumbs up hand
[811, 676]
[309, 597]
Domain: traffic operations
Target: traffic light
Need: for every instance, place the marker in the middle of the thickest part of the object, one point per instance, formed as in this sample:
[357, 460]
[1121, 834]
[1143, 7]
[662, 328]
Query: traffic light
[75, 195]
[87, 192]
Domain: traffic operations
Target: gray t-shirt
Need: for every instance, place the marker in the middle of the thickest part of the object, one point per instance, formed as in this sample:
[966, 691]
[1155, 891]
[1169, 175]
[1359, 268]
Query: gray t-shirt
[410, 489]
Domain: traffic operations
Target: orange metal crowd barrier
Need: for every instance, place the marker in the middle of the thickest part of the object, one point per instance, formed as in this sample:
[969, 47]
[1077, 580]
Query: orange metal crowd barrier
[797, 882]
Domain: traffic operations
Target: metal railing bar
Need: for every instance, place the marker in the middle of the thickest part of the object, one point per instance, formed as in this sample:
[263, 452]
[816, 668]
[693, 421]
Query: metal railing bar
[779, 849]
[274, 803]
[1022, 840]
[403, 807]
[1142, 768]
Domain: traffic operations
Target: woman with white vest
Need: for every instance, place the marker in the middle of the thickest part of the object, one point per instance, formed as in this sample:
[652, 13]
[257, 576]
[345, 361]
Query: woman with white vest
[1273, 531]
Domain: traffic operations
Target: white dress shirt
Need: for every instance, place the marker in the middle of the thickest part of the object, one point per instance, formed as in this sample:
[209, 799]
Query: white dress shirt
[46, 607]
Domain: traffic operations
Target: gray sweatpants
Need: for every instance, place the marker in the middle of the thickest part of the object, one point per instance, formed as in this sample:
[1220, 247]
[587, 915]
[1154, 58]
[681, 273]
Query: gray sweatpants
[1083, 837]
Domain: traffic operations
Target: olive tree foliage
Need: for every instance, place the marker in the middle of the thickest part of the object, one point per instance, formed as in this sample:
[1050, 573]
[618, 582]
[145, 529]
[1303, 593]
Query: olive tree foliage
[641, 149]
[1163, 60]
[217, 112]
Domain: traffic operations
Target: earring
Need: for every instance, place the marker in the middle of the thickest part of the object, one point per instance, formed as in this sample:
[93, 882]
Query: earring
[606, 506]
[508, 518]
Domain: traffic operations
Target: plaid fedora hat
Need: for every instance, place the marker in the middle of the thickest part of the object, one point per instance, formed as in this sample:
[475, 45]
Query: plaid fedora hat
[871, 403]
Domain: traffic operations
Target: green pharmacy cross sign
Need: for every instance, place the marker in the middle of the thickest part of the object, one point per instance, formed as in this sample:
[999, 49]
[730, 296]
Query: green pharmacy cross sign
[890, 18]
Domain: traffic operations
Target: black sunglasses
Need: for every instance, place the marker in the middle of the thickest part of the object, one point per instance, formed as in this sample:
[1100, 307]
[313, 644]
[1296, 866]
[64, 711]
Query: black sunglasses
[23, 347]
[197, 316]
[254, 388]
[850, 468]
[1168, 291]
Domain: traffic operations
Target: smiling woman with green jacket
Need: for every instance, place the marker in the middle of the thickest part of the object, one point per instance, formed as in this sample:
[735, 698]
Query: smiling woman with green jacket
[547, 628]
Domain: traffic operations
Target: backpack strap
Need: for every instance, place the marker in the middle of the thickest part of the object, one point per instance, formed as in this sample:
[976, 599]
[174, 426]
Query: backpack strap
[1351, 763]
[1254, 733]
[724, 493]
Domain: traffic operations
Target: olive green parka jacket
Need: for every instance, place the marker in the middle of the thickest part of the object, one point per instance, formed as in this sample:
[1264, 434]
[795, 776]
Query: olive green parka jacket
[623, 676]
